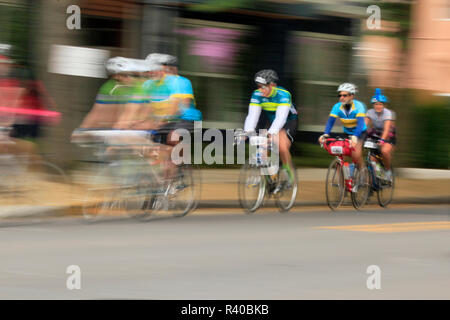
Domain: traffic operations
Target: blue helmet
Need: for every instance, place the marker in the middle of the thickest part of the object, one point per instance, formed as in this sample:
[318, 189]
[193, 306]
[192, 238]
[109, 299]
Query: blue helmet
[379, 96]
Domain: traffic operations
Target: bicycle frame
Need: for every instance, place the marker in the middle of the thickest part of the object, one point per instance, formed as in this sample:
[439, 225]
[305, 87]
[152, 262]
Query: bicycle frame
[342, 163]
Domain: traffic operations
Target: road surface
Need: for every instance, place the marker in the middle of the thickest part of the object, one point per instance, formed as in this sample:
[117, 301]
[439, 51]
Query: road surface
[311, 253]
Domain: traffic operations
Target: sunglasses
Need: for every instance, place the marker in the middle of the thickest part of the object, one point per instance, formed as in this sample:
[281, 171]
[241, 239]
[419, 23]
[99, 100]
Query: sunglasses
[343, 95]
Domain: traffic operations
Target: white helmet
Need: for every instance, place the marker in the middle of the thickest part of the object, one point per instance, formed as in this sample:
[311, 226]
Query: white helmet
[140, 65]
[348, 87]
[118, 65]
[162, 59]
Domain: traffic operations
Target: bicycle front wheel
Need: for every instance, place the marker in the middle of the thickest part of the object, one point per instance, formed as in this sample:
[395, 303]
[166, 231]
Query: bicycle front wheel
[103, 195]
[287, 189]
[334, 185]
[251, 188]
[361, 187]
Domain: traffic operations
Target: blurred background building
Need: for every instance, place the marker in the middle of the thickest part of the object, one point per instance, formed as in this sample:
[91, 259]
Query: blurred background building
[313, 45]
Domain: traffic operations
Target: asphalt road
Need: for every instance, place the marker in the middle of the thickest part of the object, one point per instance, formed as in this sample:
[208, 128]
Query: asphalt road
[230, 255]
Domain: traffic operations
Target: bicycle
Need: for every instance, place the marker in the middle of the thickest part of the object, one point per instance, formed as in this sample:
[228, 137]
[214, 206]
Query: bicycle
[374, 161]
[132, 181]
[260, 177]
[28, 179]
[339, 179]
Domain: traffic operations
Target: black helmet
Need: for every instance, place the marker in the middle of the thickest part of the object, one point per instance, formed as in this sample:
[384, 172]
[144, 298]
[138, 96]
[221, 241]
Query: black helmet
[266, 76]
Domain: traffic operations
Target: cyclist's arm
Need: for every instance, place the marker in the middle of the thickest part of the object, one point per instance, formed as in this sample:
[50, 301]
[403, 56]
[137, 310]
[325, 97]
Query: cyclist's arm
[332, 118]
[254, 111]
[330, 124]
[101, 116]
[360, 121]
[280, 119]
[368, 121]
[359, 126]
[386, 129]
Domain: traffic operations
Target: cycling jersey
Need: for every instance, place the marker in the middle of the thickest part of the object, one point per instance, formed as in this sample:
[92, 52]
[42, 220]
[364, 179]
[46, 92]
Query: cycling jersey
[170, 87]
[277, 108]
[114, 92]
[378, 118]
[352, 120]
[183, 89]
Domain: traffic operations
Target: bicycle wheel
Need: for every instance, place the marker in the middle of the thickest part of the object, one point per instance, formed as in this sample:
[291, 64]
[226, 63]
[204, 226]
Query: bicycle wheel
[334, 185]
[137, 195]
[45, 184]
[287, 189]
[386, 191]
[182, 192]
[251, 188]
[362, 185]
[103, 195]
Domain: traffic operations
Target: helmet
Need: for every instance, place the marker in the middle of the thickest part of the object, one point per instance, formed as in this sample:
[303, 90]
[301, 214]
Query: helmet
[266, 76]
[139, 65]
[119, 65]
[162, 59]
[379, 97]
[348, 87]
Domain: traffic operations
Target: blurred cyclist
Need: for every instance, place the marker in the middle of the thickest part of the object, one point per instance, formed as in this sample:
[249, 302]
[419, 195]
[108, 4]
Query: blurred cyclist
[381, 120]
[114, 95]
[179, 91]
[351, 112]
[271, 108]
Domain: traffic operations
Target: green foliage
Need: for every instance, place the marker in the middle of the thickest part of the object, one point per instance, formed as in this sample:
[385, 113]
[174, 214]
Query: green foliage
[431, 147]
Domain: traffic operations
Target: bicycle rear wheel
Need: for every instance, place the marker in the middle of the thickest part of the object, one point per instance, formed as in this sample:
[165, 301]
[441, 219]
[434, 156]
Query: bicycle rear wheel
[287, 189]
[362, 185]
[334, 185]
[386, 191]
[251, 188]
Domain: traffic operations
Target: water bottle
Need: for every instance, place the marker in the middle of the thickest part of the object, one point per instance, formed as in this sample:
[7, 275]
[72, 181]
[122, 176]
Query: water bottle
[352, 169]
[258, 158]
[346, 171]
[377, 168]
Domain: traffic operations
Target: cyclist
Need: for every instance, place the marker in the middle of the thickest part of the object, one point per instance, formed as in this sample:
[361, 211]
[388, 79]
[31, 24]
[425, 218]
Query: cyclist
[381, 120]
[180, 92]
[351, 112]
[119, 100]
[271, 108]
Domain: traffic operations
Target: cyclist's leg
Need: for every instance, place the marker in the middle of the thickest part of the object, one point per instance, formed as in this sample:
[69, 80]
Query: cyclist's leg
[357, 153]
[286, 138]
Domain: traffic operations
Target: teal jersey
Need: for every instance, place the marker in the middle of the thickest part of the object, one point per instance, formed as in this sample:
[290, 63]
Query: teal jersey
[170, 87]
[278, 97]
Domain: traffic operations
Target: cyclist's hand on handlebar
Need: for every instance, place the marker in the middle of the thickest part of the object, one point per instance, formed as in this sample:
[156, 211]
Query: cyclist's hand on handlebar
[322, 139]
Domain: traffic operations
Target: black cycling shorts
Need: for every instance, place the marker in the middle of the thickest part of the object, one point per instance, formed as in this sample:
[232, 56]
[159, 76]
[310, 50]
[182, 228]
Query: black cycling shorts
[290, 126]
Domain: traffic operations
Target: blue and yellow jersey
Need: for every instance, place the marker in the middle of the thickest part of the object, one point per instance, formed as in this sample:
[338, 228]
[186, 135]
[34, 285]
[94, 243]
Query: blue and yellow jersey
[349, 120]
[183, 89]
[278, 97]
[170, 87]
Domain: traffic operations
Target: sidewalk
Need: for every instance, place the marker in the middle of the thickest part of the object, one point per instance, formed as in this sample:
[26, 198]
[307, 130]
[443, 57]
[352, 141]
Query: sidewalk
[219, 190]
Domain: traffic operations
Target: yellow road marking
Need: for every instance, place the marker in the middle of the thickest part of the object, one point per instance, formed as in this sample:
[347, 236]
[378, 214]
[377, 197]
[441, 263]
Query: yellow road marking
[394, 227]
